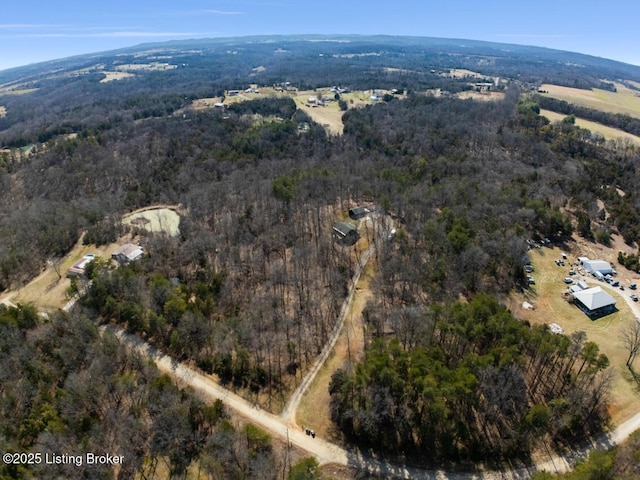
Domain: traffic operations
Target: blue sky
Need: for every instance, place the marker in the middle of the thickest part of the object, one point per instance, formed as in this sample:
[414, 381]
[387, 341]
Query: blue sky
[33, 31]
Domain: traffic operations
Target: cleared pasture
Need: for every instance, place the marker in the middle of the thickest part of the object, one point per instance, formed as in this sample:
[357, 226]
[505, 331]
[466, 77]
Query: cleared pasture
[607, 132]
[551, 307]
[155, 220]
[625, 100]
[111, 76]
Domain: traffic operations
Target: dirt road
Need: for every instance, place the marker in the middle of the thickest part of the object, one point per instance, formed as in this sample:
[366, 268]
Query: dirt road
[326, 452]
[289, 412]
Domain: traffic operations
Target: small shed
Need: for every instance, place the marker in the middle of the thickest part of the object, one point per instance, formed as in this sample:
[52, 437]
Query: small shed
[357, 213]
[127, 253]
[345, 233]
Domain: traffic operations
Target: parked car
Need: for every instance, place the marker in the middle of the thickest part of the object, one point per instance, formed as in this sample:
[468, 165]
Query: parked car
[528, 268]
[615, 283]
[531, 280]
[633, 286]
[633, 297]
[568, 280]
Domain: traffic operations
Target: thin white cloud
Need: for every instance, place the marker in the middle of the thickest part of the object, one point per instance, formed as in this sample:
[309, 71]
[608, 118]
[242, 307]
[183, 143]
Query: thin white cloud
[26, 26]
[121, 34]
[535, 35]
[217, 12]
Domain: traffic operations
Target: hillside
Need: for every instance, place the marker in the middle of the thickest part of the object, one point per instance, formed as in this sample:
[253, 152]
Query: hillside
[278, 208]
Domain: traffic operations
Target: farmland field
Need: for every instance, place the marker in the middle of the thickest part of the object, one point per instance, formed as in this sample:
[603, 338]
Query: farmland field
[607, 132]
[110, 76]
[625, 100]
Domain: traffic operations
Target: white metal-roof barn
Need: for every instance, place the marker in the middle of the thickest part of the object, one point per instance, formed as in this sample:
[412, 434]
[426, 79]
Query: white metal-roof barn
[595, 302]
[593, 266]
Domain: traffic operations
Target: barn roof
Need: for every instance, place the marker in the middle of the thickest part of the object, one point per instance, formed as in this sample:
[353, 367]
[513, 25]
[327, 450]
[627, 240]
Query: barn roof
[594, 298]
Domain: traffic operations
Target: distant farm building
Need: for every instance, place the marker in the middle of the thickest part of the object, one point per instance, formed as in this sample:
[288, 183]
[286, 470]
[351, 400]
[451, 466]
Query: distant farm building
[595, 302]
[357, 213]
[78, 269]
[127, 253]
[593, 266]
[345, 233]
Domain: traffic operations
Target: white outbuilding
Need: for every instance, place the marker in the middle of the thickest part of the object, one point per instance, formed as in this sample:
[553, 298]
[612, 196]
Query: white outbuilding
[593, 266]
[595, 302]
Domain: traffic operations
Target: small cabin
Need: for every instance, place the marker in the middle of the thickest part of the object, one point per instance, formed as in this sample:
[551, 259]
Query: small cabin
[345, 233]
[358, 212]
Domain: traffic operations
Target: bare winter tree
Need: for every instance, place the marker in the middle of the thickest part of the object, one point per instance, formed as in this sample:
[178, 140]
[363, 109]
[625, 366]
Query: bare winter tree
[630, 337]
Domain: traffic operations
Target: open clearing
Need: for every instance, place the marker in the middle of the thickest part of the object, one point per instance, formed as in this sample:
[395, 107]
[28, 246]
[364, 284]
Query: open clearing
[625, 100]
[47, 290]
[482, 96]
[155, 219]
[551, 307]
[111, 76]
[607, 132]
[328, 115]
[153, 66]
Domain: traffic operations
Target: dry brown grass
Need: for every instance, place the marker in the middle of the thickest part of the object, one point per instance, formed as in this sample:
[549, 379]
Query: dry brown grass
[607, 132]
[314, 407]
[111, 76]
[482, 96]
[47, 290]
[329, 116]
[625, 100]
[551, 307]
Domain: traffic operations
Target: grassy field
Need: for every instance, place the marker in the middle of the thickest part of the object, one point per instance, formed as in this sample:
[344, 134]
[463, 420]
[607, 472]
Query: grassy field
[155, 219]
[551, 307]
[625, 100]
[482, 96]
[47, 290]
[328, 115]
[111, 76]
[607, 132]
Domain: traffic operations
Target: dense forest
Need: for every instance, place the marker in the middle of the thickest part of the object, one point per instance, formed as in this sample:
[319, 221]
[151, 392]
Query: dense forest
[68, 389]
[251, 288]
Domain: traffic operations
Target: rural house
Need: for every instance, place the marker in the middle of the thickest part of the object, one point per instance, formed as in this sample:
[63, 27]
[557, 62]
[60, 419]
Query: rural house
[357, 213]
[127, 253]
[78, 269]
[345, 233]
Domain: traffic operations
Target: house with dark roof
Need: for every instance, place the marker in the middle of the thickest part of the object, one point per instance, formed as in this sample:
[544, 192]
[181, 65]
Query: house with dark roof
[345, 233]
[357, 213]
